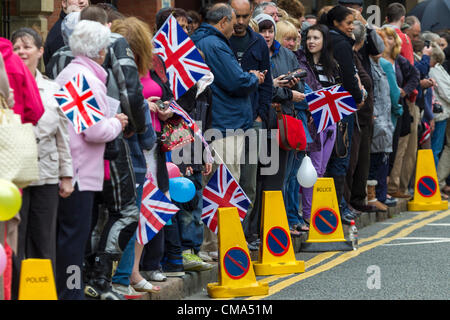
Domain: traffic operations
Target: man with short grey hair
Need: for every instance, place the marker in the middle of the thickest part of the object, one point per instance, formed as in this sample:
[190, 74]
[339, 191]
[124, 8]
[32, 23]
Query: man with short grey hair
[269, 8]
[232, 111]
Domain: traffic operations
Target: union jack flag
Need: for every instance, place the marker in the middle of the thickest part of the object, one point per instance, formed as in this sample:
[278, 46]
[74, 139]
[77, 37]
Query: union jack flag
[222, 191]
[78, 103]
[330, 105]
[184, 64]
[426, 133]
[156, 210]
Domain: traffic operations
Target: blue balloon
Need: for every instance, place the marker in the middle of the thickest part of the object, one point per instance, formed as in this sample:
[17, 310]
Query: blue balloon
[181, 189]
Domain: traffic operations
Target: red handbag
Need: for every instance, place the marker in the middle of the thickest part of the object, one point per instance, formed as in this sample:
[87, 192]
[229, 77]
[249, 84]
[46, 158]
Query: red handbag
[291, 134]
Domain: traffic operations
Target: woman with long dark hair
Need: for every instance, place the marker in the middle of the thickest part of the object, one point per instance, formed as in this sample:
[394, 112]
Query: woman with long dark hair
[340, 22]
[323, 71]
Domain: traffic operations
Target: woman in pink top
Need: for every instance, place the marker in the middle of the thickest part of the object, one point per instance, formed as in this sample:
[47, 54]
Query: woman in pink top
[88, 44]
[155, 87]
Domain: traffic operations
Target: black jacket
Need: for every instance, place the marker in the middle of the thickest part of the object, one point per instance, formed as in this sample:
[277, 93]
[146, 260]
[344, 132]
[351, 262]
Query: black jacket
[54, 39]
[257, 57]
[343, 53]
[365, 114]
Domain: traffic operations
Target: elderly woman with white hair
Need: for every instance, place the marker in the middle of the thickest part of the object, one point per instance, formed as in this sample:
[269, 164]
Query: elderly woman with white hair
[88, 43]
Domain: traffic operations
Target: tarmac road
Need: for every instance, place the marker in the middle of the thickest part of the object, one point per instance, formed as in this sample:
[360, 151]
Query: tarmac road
[404, 258]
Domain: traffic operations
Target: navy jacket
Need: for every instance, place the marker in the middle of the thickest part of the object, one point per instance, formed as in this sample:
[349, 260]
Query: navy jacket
[343, 53]
[257, 57]
[232, 87]
[54, 39]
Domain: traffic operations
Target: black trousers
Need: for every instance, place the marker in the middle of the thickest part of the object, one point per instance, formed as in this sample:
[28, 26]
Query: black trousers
[265, 183]
[37, 228]
[358, 172]
[73, 231]
[153, 253]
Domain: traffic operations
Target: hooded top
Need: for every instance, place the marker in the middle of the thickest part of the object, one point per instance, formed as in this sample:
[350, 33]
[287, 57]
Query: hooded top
[28, 103]
[231, 89]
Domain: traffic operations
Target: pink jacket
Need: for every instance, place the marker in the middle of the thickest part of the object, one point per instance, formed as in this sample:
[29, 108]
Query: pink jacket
[27, 99]
[87, 148]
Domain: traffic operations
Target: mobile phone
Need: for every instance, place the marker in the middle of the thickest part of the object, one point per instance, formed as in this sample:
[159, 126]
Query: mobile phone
[161, 105]
[427, 43]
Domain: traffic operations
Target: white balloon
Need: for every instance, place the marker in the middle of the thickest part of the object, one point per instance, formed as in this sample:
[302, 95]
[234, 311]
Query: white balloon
[307, 174]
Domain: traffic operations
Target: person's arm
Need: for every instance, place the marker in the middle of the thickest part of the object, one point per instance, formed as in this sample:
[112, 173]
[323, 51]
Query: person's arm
[228, 74]
[4, 82]
[443, 83]
[33, 108]
[343, 54]
[411, 76]
[126, 74]
[265, 89]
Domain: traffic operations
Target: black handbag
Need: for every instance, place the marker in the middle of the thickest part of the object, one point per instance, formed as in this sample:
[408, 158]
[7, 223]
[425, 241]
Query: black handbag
[111, 150]
[342, 142]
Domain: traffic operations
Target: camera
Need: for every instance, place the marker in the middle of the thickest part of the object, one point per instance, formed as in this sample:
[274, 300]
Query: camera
[299, 74]
[437, 108]
[161, 105]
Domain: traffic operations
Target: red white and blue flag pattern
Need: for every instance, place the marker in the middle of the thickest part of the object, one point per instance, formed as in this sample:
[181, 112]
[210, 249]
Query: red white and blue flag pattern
[222, 191]
[184, 64]
[78, 103]
[330, 105]
[156, 211]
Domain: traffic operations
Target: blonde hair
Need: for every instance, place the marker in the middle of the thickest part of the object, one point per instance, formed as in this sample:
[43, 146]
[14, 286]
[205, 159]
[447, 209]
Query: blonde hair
[390, 32]
[139, 37]
[285, 29]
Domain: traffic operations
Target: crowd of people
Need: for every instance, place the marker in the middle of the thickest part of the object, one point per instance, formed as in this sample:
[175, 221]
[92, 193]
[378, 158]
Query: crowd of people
[84, 210]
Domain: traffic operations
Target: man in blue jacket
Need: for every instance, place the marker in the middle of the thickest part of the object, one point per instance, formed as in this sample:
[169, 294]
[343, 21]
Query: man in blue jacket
[232, 87]
[252, 53]
[231, 93]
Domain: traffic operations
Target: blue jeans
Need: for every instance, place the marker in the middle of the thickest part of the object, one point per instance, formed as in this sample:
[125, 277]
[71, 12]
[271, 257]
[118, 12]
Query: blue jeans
[125, 267]
[437, 139]
[291, 187]
[190, 222]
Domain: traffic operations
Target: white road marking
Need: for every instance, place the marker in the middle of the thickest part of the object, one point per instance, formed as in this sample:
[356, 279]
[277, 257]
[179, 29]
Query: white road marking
[427, 240]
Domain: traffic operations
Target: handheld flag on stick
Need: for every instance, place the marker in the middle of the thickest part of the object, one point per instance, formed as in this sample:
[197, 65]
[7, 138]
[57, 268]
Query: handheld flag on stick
[78, 103]
[184, 64]
[156, 211]
[330, 105]
[222, 191]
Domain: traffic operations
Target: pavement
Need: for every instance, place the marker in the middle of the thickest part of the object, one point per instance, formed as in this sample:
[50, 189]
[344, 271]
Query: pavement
[193, 283]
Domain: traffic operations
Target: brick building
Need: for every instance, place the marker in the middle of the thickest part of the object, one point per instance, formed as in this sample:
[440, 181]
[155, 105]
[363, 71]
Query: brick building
[42, 14]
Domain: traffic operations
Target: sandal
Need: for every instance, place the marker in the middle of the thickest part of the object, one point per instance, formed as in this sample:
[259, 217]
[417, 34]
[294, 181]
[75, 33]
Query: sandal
[145, 286]
[294, 231]
[302, 227]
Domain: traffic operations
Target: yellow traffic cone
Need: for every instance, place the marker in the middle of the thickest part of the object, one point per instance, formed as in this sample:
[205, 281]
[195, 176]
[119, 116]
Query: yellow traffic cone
[277, 253]
[326, 233]
[427, 196]
[236, 275]
[37, 281]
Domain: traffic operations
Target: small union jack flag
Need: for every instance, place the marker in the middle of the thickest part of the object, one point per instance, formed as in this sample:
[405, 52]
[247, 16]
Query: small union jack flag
[426, 133]
[156, 210]
[78, 103]
[184, 64]
[330, 105]
[222, 191]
